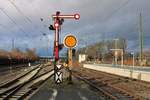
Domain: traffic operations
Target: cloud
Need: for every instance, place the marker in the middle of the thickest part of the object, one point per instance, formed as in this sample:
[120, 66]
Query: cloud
[100, 19]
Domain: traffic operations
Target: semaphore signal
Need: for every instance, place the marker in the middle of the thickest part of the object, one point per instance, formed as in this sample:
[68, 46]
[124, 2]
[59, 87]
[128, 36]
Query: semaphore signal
[58, 21]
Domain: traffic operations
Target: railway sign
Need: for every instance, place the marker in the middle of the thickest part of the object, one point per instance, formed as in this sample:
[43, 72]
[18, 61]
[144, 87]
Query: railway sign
[58, 77]
[70, 41]
[58, 66]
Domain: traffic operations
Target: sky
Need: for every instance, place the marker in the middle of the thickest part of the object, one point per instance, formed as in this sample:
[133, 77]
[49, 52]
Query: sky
[100, 20]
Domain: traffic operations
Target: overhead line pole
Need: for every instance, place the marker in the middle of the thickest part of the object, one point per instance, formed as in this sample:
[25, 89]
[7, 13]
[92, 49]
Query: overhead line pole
[141, 39]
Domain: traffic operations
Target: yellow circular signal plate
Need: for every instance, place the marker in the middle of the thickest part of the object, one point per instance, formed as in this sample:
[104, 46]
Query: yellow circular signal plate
[70, 41]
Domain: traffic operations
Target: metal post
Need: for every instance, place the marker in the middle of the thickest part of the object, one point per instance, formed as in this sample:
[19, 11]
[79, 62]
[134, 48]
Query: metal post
[122, 58]
[141, 39]
[56, 44]
[48, 47]
[70, 57]
[115, 57]
[132, 53]
[10, 65]
[116, 53]
[133, 59]
[13, 44]
[70, 64]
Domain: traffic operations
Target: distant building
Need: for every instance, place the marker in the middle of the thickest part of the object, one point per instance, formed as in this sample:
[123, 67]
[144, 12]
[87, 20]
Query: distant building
[82, 57]
[147, 57]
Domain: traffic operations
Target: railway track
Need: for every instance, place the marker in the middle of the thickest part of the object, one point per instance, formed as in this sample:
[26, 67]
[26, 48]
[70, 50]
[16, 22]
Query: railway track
[9, 82]
[106, 90]
[21, 87]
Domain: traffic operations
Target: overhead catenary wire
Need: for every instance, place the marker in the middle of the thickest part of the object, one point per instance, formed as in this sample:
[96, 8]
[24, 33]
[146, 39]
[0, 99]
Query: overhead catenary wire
[26, 17]
[18, 9]
[8, 16]
[12, 20]
[118, 9]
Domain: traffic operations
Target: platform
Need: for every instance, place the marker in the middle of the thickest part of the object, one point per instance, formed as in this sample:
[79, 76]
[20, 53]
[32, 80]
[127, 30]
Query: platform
[137, 72]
